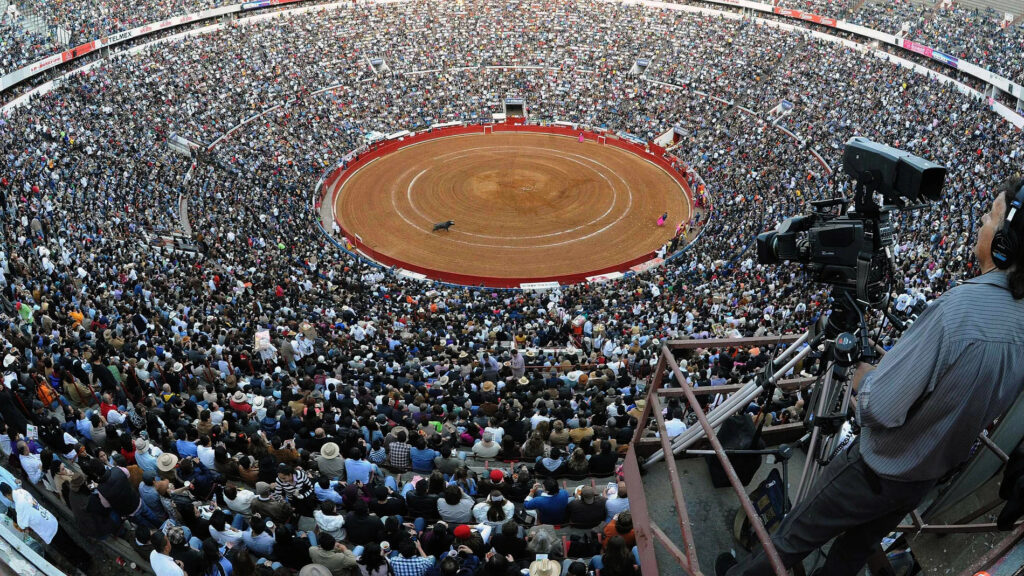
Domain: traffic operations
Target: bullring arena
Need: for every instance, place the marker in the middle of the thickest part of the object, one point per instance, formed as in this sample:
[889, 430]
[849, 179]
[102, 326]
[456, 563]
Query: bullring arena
[530, 204]
[233, 342]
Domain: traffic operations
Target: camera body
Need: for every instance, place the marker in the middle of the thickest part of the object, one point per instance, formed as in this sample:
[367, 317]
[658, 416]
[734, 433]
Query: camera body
[852, 249]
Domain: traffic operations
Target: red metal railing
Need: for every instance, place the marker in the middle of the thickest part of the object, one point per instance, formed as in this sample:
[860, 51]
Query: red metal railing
[647, 531]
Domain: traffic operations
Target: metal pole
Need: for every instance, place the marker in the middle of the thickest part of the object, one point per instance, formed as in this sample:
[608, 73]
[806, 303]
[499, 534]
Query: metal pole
[748, 508]
[728, 408]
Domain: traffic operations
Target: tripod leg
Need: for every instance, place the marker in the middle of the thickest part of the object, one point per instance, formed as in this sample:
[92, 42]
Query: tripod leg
[879, 564]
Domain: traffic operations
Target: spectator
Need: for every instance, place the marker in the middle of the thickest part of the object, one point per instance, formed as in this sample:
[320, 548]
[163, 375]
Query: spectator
[550, 505]
[372, 562]
[328, 521]
[334, 555]
[456, 507]
[495, 512]
[486, 448]
[411, 560]
[269, 505]
[361, 526]
[330, 464]
[420, 503]
[587, 510]
[239, 501]
[617, 559]
[620, 525]
[160, 558]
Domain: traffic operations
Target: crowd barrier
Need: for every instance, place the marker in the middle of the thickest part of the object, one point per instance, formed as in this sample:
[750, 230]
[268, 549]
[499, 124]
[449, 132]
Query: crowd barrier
[650, 152]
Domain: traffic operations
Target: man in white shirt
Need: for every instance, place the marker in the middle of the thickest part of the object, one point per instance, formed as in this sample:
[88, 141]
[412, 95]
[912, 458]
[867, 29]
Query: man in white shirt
[160, 559]
[239, 501]
[206, 453]
[675, 426]
[31, 463]
[116, 417]
[30, 515]
[486, 448]
[540, 416]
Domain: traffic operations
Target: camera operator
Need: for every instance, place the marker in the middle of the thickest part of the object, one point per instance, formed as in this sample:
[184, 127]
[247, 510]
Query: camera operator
[957, 369]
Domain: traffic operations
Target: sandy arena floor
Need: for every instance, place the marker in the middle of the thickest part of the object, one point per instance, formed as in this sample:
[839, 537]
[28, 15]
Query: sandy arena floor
[525, 205]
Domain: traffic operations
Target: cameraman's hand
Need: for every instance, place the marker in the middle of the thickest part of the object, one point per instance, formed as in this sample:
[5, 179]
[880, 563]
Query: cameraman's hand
[863, 368]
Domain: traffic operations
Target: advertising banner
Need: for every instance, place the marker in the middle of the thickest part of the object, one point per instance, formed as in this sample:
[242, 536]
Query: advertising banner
[815, 18]
[917, 48]
[645, 266]
[540, 286]
[604, 277]
[946, 59]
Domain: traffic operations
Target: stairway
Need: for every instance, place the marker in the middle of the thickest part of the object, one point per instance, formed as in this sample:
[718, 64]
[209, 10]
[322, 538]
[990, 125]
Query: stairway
[1015, 7]
[32, 21]
[858, 6]
[1009, 561]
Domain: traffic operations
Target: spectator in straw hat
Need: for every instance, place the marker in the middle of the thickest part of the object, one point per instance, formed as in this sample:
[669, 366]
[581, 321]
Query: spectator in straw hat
[146, 455]
[545, 567]
[166, 464]
[240, 402]
[330, 463]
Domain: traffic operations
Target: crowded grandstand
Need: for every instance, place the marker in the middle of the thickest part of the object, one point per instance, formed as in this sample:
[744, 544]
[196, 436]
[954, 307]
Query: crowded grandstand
[201, 376]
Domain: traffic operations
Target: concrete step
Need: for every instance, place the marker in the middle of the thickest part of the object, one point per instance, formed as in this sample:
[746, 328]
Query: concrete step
[1015, 7]
[1011, 564]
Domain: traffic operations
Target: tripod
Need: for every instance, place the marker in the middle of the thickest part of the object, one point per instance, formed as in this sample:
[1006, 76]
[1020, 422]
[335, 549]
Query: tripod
[830, 401]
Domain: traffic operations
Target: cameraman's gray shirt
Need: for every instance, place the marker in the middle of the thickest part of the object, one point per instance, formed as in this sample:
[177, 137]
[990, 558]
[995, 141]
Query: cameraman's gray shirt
[957, 369]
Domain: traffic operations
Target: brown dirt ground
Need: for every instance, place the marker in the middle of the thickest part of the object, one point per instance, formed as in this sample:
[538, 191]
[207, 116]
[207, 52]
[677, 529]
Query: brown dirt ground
[524, 205]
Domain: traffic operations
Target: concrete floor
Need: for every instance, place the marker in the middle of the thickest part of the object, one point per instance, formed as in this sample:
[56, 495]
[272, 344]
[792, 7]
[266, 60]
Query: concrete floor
[941, 555]
[713, 512]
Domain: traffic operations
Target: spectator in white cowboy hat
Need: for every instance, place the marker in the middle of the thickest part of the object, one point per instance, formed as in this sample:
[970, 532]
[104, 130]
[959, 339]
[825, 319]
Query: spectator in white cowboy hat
[146, 455]
[330, 463]
[240, 402]
[166, 464]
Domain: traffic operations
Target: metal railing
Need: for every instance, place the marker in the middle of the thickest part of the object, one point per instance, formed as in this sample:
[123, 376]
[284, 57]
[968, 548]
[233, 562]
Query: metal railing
[647, 531]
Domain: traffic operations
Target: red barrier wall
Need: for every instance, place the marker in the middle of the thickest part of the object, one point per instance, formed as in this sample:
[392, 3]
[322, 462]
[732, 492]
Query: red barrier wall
[338, 177]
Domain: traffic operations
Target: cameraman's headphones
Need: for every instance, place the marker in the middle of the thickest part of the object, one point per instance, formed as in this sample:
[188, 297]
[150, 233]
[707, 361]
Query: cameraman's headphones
[1006, 241]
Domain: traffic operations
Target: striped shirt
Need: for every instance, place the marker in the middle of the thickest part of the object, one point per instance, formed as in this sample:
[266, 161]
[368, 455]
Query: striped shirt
[957, 369]
[299, 487]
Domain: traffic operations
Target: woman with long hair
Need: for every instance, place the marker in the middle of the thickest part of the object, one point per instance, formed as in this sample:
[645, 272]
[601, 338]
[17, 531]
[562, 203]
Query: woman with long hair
[436, 483]
[290, 549]
[534, 448]
[243, 563]
[510, 450]
[617, 559]
[495, 511]
[463, 478]
[577, 465]
[373, 563]
[214, 563]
